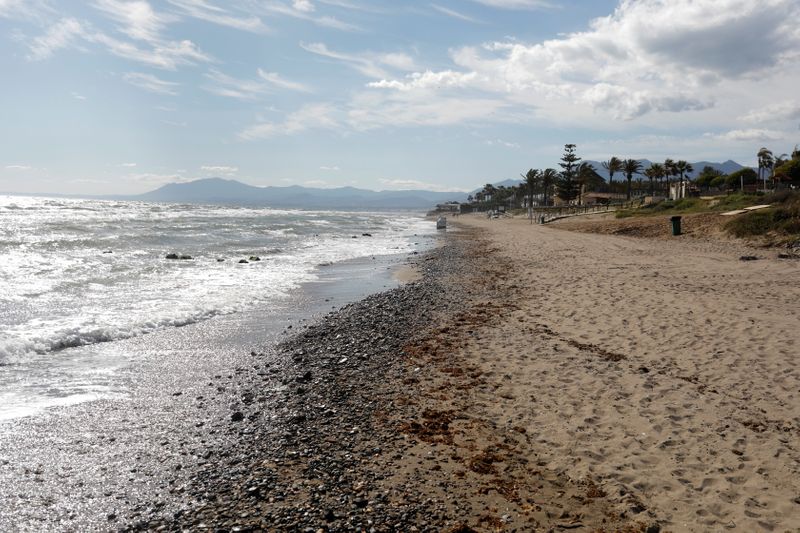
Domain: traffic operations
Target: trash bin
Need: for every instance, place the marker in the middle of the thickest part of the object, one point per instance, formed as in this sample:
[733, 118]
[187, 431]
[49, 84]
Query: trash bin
[676, 225]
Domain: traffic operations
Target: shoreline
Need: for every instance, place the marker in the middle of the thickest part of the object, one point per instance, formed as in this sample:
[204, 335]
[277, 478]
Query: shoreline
[97, 465]
[369, 437]
[533, 378]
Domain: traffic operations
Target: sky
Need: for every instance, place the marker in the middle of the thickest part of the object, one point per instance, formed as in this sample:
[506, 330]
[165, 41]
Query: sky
[121, 97]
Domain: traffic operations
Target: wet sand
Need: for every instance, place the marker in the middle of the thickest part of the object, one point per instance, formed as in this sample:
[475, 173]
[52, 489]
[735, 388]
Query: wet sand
[101, 465]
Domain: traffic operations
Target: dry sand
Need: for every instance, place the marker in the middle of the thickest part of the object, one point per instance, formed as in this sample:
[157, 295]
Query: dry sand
[658, 374]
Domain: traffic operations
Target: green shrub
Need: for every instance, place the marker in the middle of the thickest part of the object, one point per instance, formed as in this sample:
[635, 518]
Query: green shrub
[751, 224]
[789, 171]
[718, 181]
[782, 197]
[687, 203]
[734, 180]
[783, 220]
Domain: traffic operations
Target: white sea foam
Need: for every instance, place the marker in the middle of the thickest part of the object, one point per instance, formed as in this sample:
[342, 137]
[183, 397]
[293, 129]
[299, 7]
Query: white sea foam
[61, 288]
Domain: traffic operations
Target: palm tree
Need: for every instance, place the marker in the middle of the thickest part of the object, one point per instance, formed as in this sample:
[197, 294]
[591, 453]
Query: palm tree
[655, 172]
[612, 166]
[682, 167]
[587, 178]
[765, 161]
[531, 178]
[547, 178]
[631, 167]
[669, 172]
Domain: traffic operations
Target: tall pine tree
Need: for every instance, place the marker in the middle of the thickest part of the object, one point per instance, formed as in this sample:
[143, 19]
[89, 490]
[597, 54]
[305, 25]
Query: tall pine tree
[567, 186]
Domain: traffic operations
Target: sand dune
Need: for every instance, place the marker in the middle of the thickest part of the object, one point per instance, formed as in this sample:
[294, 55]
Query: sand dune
[666, 370]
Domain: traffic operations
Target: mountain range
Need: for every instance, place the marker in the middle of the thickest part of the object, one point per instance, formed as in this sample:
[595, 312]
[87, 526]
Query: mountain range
[226, 191]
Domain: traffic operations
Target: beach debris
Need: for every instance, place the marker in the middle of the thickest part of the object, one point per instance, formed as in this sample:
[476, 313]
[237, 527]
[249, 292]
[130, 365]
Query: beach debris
[255, 258]
[243, 261]
[108, 252]
[748, 258]
[220, 259]
[175, 256]
[238, 416]
[172, 256]
[366, 234]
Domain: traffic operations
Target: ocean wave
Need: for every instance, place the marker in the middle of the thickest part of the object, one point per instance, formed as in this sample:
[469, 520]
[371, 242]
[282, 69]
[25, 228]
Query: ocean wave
[16, 349]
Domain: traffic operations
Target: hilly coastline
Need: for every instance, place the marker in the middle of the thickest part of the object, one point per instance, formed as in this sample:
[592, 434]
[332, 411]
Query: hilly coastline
[225, 191]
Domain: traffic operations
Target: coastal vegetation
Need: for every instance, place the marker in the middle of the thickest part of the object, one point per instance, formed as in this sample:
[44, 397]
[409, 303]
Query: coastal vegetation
[656, 188]
[782, 220]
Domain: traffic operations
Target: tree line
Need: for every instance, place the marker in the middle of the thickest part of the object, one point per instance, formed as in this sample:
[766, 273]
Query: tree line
[576, 178]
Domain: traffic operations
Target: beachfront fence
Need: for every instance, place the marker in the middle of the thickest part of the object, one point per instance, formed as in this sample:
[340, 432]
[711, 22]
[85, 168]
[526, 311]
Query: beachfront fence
[547, 214]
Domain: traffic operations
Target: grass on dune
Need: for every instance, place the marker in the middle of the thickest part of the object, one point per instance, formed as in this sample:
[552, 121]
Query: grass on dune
[780, 223]
[782, 220]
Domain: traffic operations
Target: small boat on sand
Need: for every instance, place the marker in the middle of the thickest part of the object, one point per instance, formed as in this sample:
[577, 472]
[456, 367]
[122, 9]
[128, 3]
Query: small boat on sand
[441, 223]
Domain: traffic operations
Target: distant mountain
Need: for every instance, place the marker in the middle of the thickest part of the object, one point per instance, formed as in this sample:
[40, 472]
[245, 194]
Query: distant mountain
[222, 191]
[504, 183]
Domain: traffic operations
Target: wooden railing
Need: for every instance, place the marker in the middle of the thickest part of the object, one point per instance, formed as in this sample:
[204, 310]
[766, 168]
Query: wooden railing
[543, 215]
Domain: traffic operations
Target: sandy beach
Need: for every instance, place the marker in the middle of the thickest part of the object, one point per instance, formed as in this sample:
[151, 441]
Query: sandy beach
[661, 371]
[523, 378]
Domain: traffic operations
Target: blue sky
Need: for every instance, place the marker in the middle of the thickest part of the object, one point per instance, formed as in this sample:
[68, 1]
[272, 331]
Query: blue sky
[115, 96]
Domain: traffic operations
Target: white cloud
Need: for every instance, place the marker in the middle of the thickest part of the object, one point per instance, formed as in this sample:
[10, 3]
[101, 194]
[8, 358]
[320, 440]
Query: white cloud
[128, 165]
[369, 64]
[303, 5]
[60, 35]
[650, 57]
[374, 110]
[501, 142]
[788, 110]
[18, 167]
[516, 4]
[428, 80]
[36, 10]
[455, 14]
[154, 178]
[138, 20]
[151, 83]
[203, 10]
[231, 87]
[627, 105]
[312, 116]
[749, 135]
[77, 96]
[220, 169]
[304, 10]
[330, 169]
[413, 185]
[275, 79]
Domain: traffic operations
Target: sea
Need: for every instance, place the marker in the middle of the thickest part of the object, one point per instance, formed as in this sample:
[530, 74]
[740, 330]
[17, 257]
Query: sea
[79, 276]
